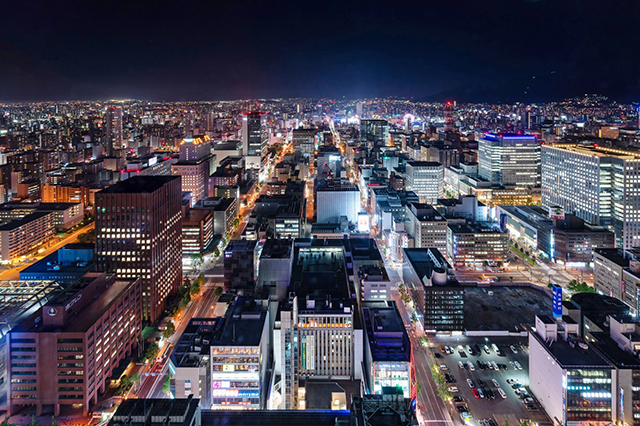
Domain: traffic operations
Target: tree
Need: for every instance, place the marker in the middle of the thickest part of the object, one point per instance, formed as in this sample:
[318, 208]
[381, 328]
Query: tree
[414, 318]
[216, 252]
[195, 287]
[442, 387]
[218, 291]
[511, 279]
[579, 287]
[152, 352]
[169, 330]
[196, 260]
[87, 237]
[166, 386]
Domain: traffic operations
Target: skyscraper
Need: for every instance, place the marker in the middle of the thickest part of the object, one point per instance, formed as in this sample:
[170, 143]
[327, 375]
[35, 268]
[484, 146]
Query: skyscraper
[425, 178]
[195, 166]
[600, 185]
[254, 145]
[113, 130]
[139, 234]
[375, 131]
[509, 159]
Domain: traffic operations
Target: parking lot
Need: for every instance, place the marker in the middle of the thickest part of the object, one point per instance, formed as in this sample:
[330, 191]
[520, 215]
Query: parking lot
[483, 407]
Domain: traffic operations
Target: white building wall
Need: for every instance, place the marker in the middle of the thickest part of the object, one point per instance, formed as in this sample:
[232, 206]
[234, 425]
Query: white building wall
[545, 379]
[333, 204]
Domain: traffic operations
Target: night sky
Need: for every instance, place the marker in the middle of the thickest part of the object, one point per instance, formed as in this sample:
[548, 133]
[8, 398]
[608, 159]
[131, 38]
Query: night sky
[479, 50]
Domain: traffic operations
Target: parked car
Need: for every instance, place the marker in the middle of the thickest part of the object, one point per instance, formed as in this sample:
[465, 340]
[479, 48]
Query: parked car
[513, 349]
[475, 393]
[495, 383]
[458, 398]
[453, 389]
[461, 365]
[471, 367]
[501, 392]
[528, 401]
[443, 367]
[470, 382]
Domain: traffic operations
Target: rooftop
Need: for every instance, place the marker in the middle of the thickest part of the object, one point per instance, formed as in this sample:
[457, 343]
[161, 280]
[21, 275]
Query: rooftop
[17, 223]
[139, 185]
[424, 164]
[388, 339]
[571, 355]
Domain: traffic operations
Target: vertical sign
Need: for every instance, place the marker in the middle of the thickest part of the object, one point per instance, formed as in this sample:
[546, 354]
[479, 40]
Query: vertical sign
[557, 301]
[304, 352]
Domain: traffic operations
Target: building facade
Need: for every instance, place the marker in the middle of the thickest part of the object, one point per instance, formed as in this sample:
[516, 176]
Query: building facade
[426, 179]
[139, 234]
[509, 159]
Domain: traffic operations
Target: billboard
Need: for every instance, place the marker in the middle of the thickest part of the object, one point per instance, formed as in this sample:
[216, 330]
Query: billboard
[556, 213]
[363, 222]
[557, 301]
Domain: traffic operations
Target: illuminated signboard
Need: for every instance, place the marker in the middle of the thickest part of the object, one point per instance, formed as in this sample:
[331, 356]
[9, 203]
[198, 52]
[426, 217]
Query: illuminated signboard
[228, 368]
[556, 213]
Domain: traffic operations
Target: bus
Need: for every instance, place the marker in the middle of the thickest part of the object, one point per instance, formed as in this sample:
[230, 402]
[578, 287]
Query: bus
[489, 279]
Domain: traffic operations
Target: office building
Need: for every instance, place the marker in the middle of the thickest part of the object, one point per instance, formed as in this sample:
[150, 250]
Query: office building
[65, 352]
[139, 234]
[425, 178]
[477, 244]
[197, 231]
[439, 297]
[195, 166]
[616, 273]
[239, 265]
[334, 200]
[304, 140]
[427, 227]
[113, 130]
[254, 143]
[22, 236]
[274, 267]
[278, 216]
[509, 159]
[388, 352]
[376, 132]
[374, 282]
[596, 184]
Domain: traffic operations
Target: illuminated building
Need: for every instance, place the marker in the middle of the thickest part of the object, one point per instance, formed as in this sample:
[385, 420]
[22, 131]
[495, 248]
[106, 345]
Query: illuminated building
[315, 337]
[474, 244]
[195, 166]
[139, 234]
[425, 178]
[440, 303]
[304, 140]
[197, 231]
[65, 353]
[254, 143]
[224, 361]
[113, 130]
[389, 353]
[376, 132]
[427, 227]
[597, 184]
[334, 199]
[20, 236]
[509, 159]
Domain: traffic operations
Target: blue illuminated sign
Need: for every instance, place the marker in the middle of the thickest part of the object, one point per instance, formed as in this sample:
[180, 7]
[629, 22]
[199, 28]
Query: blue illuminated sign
[557, 301]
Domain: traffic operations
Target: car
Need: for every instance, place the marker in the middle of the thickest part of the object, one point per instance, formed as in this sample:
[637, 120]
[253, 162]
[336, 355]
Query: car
[476, 348]
[495, 383]
[480, 383]
[470, 383]
[469, 350]
[442, 349]
[501, 392]
[489, 393]
[453, 389]
[513, 349]
[489, 366]
[495, 365]
[480, 393]
[518, 366]
[471, 367]
[458, 398]
[480, 365]
[493, 422]
[513, 365]
[512, 381]
[516, 385]
[520, 391]
[437, 355]
[486, 349]
[444, 367]
[528, 401]
[461, 364]
[462, 408]
[531, 407]
[524, 396]
[475, 393]
[504, 366]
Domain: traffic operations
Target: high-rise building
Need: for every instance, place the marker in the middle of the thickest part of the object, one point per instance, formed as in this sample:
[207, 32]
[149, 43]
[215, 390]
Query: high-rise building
[304, 140]
[597, 184]
[335, 200]
[239, 265]
[426, 179]
[113, 130]
[375, 131]
[139, 234]
[427, 227]
[509, 159]
[254, 143]
[195, 166]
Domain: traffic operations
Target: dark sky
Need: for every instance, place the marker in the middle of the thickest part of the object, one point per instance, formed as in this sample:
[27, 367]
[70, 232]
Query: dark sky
[216, 49]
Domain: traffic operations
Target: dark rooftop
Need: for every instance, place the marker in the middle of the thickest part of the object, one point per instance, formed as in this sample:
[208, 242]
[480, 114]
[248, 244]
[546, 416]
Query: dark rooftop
[572, 357]
[388, 339]
[272, 417]
[16, 223]
[139, 185]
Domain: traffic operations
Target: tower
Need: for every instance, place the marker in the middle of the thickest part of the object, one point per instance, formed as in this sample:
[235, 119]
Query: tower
[449, 124]
[113, 130]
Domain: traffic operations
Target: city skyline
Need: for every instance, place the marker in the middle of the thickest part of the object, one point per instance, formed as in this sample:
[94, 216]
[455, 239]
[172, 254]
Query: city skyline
[528, 51]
